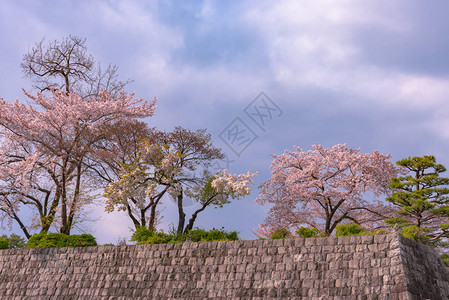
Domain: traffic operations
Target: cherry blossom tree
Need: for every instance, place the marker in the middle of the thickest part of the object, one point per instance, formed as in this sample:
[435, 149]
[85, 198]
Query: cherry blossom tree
[121, 148]
[23, 185]
[322, 188]
[45, 149]
[218, 190]
[168, 163]
[187, 153]
[140, 186]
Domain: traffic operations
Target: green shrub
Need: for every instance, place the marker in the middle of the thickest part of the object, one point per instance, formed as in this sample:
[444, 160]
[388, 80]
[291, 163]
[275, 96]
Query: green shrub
[306, 232]
[82, 240]
[141, 235]
[281, 233]
[4, 243]
[34, 240]
[349, 229]
[415, 233]
[175, 242]
[15, 241]
[53, 240]
[445, 258]
[194, 235]
[213, 235]
[159, 238]
[58, 240]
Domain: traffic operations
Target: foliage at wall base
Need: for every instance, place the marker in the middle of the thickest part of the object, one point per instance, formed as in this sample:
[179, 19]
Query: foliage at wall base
[144, 235]
[58, 240]
[3, 243]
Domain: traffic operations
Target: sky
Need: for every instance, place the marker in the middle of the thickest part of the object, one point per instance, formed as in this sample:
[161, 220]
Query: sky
[372, 74]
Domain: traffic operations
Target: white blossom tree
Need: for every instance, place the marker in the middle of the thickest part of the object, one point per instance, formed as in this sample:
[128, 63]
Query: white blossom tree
[168, 163]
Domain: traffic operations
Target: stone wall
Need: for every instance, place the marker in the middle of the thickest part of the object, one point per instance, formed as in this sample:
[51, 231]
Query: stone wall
[427, 276]
[361, 267]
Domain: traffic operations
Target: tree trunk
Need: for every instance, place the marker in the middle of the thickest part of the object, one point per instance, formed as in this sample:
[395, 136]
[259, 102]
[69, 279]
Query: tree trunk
[193, 218]
[130, 214]
[76, 197]
[152, 220]
[22, 226]
[328, 224]
[64, 227]
[152, 206]
[142, 218]
[48, 220]
[67, 84]
[182, 215]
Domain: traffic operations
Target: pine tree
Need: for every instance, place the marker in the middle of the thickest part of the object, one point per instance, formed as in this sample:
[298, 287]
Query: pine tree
[422, 201]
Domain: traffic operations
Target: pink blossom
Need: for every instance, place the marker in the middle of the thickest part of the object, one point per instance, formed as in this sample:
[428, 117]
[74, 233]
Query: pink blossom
[51, 140]
[323, 187]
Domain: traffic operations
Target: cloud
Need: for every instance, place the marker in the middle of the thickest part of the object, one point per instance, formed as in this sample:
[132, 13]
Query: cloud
[318, 44]
[136, 19]
[314, 43]
[20, 28]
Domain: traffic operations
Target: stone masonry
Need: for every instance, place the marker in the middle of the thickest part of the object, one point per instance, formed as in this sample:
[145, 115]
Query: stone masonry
[359, 267]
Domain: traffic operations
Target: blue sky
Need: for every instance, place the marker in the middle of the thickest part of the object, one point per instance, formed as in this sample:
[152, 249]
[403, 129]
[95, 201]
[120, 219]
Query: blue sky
[372, 74]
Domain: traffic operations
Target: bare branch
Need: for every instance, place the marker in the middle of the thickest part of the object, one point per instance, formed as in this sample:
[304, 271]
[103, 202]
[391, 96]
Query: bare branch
[66, 65]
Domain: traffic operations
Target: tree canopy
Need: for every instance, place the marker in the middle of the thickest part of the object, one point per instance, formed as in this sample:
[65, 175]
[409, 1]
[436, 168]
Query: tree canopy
[170, 163]
[322, 188]
[66, 65]
[421, 199]
[48, 148]
[44, 150]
